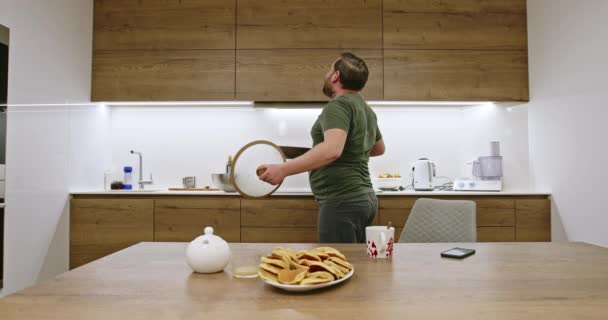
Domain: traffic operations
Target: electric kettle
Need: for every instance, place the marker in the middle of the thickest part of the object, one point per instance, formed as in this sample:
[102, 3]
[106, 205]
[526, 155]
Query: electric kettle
[423, 173]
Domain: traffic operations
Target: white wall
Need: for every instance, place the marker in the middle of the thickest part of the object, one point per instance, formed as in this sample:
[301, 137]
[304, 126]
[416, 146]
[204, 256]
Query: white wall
[568, 47]
[184, 141]
[50, 50]
[50, 149]
[50, 62]
[507, 125]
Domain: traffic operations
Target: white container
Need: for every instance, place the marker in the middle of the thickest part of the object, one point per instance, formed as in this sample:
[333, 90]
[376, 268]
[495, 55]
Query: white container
[208, 253]
[388, 183]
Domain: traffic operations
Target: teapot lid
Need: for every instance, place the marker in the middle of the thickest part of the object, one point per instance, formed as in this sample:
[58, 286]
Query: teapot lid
[209, 239]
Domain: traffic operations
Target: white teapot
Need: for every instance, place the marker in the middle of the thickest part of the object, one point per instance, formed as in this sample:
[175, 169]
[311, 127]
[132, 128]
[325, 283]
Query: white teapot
[208, 253]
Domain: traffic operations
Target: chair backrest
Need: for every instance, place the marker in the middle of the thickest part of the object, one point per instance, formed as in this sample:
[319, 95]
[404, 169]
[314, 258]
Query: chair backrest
[433, 220]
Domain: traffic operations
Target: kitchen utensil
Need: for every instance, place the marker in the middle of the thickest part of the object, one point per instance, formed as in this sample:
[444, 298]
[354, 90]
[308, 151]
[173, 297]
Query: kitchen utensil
[195, 189]
[486, 171]
[301, 288]
[189, 182]
[488, 168]
[293, 152]
[244, 176]
[208, 253]
[380, 241]
[423, 171]
[222, 181]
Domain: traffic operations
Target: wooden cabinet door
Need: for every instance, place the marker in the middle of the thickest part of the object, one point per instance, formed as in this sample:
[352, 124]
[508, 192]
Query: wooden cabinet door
[184, 219]
[455, 24]
[163, 24]
[460, 75]
[99, 227]
[533, 219]
[280, 220]
[306, 24]
[163, 50]
[495, 219]
[168, 75]
[296, 74]
[455, 50]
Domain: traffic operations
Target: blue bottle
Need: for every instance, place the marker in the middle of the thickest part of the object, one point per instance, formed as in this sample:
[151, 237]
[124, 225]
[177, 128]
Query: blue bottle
[127, 182]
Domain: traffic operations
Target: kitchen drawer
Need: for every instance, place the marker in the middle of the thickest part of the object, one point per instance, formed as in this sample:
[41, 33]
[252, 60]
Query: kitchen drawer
[279, 235]
[99, 227]
[495, 234]
[533, 219]
[185, 219]
[494, 217]
[291, 212]
[493, 203]
[199, 203]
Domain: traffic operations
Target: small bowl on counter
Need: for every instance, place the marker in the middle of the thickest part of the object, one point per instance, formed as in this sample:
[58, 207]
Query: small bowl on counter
[392, 184]
[222, 181]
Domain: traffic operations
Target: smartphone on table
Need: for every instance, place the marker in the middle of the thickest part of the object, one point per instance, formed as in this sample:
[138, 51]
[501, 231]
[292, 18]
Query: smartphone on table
[458, 253]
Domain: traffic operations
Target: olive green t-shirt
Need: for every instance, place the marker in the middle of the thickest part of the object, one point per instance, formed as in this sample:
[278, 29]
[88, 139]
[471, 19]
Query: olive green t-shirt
[348, 176]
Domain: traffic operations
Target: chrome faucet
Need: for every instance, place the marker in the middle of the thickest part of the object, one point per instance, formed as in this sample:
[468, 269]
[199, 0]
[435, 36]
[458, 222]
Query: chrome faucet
[141, 170]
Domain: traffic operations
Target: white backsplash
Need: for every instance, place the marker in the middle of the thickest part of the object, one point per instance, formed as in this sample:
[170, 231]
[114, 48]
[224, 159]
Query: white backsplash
[186, 141]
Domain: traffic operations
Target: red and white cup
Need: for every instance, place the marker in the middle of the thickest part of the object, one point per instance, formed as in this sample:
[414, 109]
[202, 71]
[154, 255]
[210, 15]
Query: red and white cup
[380, 241]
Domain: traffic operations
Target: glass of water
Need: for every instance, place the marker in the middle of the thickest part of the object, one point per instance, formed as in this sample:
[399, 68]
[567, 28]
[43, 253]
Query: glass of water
[245, 264]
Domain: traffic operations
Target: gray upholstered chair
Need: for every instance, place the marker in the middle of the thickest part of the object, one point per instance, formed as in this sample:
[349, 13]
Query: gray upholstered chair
[434, 220]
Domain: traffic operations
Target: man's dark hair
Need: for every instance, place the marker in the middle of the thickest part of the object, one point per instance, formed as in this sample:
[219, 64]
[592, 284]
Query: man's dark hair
[353, 71]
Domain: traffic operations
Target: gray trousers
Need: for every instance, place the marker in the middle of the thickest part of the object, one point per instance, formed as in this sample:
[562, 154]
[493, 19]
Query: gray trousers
[344, 221]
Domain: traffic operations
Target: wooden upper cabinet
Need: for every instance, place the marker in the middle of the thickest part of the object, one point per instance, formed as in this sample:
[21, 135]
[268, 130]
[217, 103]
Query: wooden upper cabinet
[455, 24]
[163, 50]
[168, 75]
[469, 75]
[164, 24]
[296, 74]
[473, 50]
[309, 24]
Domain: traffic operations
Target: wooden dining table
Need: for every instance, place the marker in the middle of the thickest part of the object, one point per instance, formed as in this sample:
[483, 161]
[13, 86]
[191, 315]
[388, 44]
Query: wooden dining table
[501, 281]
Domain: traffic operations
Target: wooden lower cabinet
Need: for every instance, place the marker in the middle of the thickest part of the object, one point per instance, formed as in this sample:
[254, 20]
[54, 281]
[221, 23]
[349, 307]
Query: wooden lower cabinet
[288, 220]
[498, 219]
[279, 235]
[495, 234]
[99, 227]
[184, 219]
[533, 221]
[102, 225]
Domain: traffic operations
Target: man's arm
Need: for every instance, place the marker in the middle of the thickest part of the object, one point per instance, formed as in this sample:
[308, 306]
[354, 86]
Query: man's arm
[321, 155]
[378, 149]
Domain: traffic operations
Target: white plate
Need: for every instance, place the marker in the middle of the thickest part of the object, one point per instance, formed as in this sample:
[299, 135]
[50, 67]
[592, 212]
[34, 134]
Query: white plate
[299, 288]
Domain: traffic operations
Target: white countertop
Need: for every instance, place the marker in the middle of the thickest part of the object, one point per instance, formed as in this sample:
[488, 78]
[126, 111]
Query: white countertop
[297, 192]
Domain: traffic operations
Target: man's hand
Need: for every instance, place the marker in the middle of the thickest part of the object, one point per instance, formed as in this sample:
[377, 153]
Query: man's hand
[272, 173]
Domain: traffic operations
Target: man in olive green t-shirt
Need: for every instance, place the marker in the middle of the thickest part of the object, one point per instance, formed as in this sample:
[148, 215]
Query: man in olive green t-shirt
[344, 136]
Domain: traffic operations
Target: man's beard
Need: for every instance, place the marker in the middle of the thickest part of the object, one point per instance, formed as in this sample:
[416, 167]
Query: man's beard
[328, 91]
